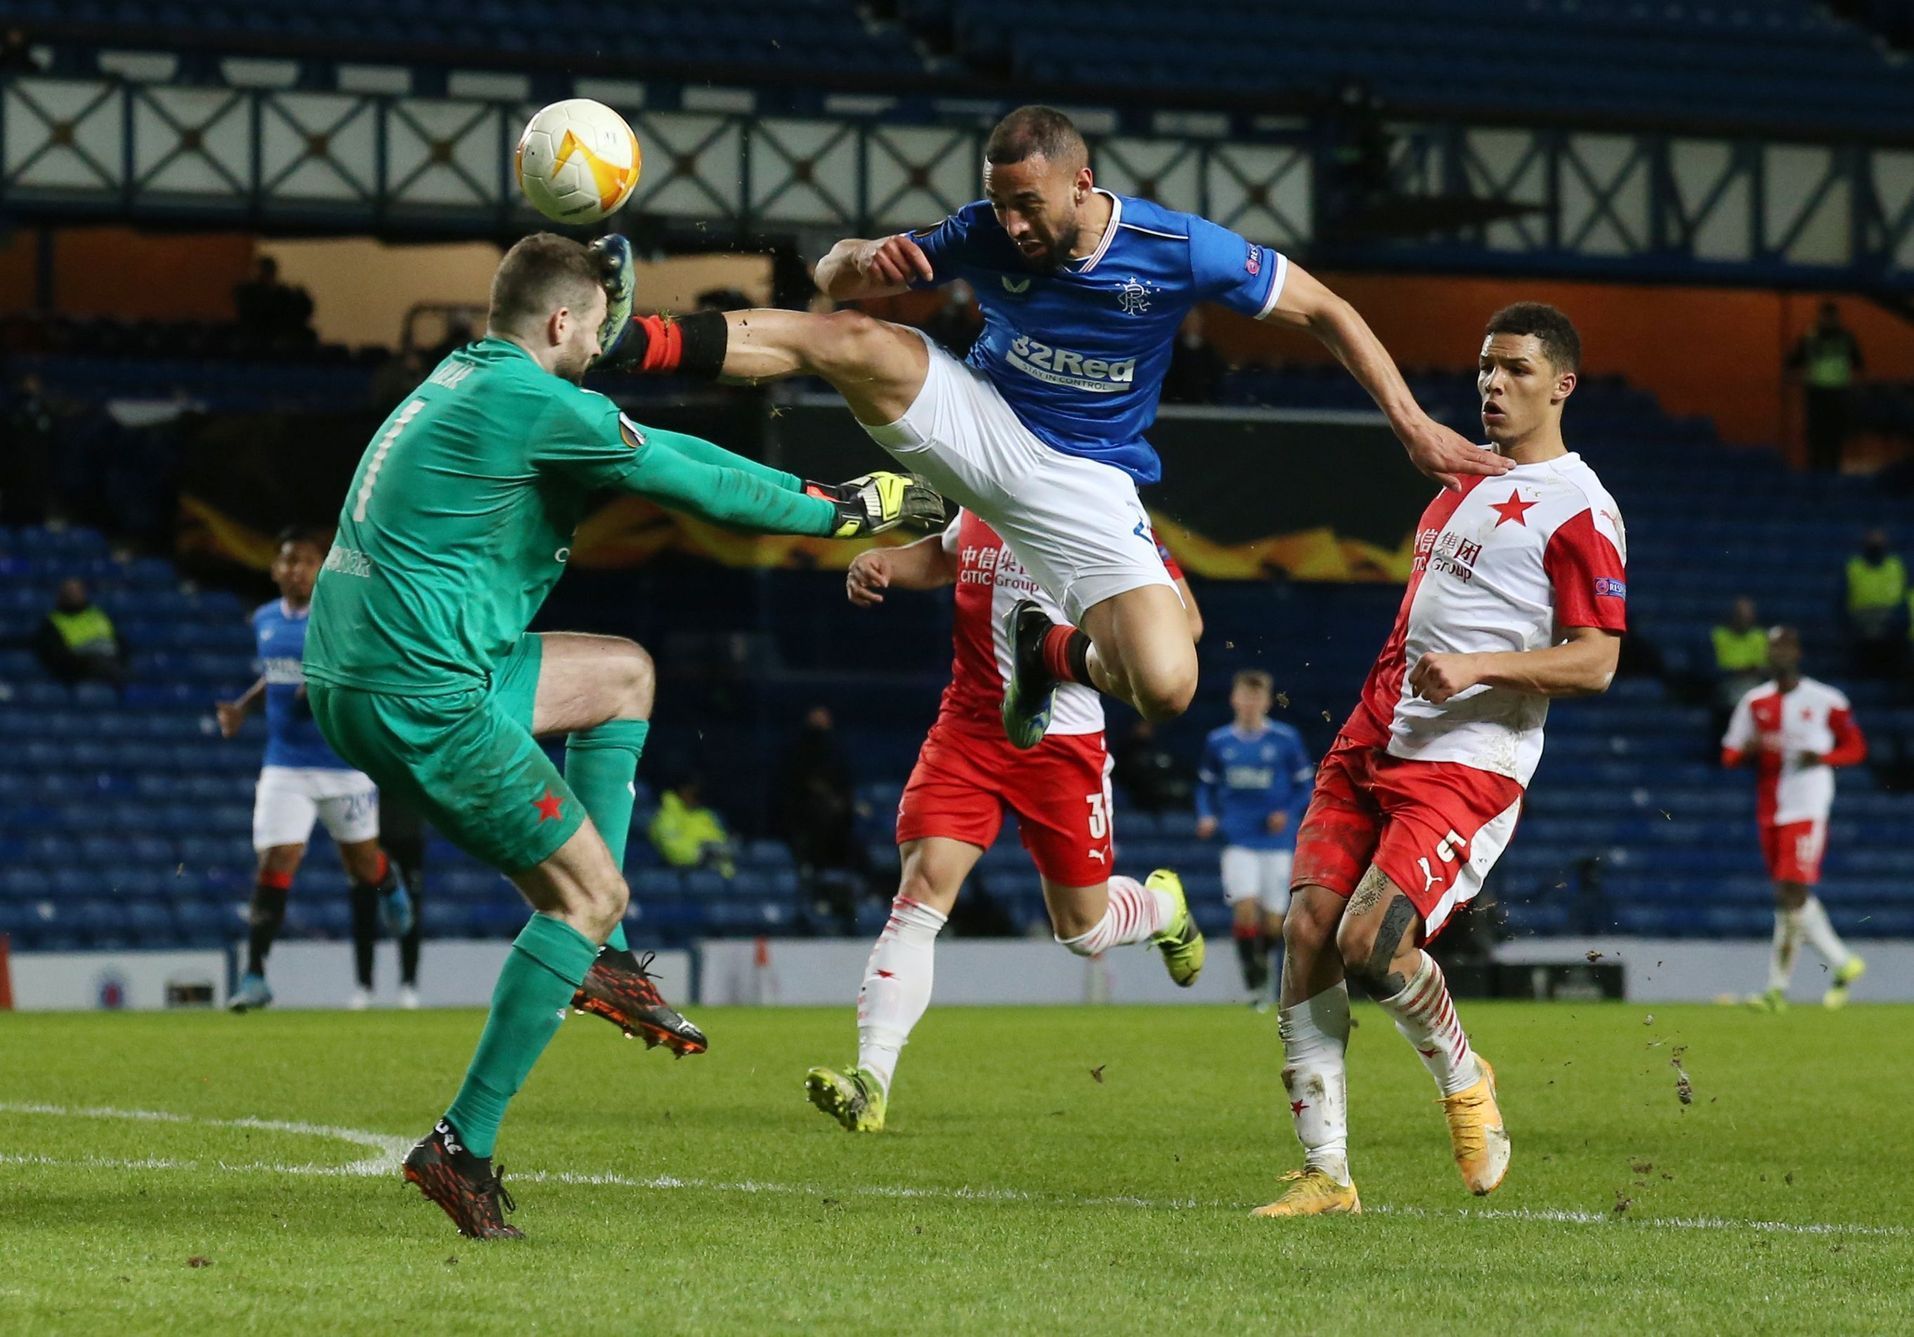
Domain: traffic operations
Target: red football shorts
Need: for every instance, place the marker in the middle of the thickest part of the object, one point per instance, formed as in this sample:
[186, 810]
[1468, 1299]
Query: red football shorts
[1434, 828]
[1793, 850]
[1059, 789]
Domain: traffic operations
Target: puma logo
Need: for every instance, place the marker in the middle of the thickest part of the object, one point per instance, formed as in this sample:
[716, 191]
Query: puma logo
[1097, 855]
[1429, 876]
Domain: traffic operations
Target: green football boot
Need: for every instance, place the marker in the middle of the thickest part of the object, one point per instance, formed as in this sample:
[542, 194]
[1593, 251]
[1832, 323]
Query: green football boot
[1182, 941]
[1837, 995]
[855, 1098]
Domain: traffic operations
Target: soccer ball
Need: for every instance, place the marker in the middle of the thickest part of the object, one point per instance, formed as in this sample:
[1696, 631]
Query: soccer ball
[577, 161]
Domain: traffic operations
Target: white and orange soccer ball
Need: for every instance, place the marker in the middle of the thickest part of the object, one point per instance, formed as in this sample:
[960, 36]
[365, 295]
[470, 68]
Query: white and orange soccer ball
[577, 161]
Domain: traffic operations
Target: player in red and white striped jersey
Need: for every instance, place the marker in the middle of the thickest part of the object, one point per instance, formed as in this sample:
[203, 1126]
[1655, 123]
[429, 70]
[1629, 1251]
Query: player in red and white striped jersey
[1517, 594]
[967, 773]
[1795, 731]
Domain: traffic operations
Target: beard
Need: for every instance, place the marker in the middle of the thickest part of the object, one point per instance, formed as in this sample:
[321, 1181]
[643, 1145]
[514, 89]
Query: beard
[1057, 253]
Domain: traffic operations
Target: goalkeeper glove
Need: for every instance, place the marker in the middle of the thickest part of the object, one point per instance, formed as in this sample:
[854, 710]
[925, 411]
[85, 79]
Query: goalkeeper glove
[613, 254]
[877, 502]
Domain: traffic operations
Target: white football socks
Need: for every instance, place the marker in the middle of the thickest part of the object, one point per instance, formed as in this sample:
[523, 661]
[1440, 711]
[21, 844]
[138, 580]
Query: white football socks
[1135, 912]
[1821, 935]
[1425, 1017]
[1315, 1045]
[896, 988]
[1787, 936]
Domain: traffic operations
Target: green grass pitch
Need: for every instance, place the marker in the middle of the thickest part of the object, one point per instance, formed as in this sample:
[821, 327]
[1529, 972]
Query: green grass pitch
[1085, 1170]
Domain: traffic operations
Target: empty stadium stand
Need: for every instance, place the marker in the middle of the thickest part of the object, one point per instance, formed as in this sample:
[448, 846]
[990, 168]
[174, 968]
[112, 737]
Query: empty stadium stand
[125, 819]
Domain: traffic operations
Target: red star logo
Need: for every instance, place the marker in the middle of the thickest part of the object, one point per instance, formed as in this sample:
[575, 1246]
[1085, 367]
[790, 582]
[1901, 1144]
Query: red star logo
[548, 807]
[886, 975]
[1297, 1107]
[1512, 509]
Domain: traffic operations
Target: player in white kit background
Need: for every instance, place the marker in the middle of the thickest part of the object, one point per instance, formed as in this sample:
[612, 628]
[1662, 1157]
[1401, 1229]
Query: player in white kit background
[967, 774]
[1795, 731]
[1041, 430]
[1250, 789]
[1517, 595]
[303, 781]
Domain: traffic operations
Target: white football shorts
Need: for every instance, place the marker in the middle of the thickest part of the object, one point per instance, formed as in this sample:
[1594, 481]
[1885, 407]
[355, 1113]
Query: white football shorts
[1257, 875]
[290, 798]
[1077, 525]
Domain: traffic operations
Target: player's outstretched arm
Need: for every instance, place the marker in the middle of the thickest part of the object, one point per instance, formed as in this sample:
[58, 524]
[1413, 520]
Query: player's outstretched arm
[856, 268]
[709, 452]
[232, 714]
[1439, 452]
[923, 565]
[1582, 665]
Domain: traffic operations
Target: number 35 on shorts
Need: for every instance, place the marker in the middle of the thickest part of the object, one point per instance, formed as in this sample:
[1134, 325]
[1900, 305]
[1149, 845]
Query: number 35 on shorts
[1447, 850]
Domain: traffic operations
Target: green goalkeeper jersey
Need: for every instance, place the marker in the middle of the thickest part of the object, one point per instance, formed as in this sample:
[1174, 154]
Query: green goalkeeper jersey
[460, 517]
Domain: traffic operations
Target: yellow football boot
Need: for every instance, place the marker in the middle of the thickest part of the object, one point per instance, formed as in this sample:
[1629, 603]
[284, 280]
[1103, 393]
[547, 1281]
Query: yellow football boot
[1313, 1193]
[1476, 1133]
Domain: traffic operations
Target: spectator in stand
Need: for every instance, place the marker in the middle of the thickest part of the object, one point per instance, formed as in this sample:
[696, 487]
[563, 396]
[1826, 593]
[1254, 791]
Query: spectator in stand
[687, 834]
[1741, 657]
[1196, 368]
[77, 642]
[1876, 593]
[273, 315]
[1155, 780]
[818, 817]
[1826, 359]
[26, 466]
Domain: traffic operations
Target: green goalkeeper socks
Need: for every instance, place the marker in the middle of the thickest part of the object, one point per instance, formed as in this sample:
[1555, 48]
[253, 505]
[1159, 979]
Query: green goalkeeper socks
[548, 963]
[601, 766]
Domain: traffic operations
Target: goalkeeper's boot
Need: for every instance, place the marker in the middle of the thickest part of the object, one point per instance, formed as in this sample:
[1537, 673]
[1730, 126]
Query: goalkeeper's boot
[1837, 995]
[252, 993]
[1181, 941]
[466, 1187]
[1313, 1192]
[855, 1099]
[619, 989]
[1476, 1132]
[1032, 690]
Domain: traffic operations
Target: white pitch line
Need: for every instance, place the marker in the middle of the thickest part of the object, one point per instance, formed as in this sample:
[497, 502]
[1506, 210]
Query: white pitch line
[389, 1149]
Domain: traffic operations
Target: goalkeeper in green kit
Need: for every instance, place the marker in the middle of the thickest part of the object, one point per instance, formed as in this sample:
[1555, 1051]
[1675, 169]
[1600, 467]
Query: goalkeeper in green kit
[420, 671]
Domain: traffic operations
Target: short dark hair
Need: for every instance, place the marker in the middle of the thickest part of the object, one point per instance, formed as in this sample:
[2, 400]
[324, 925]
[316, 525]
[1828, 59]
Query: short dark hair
[538, 275]
[301, 534]
[1253, 678]
[1035, 131]
[1555, 331]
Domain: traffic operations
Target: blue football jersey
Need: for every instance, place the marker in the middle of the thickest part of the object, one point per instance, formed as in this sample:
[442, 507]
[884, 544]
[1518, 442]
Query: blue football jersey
[292, 737]
[1246, 777]
[1080, 352]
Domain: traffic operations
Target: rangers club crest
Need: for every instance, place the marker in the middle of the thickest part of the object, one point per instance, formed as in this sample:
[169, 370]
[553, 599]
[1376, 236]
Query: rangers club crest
[1133, 298]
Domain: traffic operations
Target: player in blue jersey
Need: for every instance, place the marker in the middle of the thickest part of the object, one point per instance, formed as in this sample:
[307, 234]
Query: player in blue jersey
[1251, 789]
[303, 780]
[1041, 430]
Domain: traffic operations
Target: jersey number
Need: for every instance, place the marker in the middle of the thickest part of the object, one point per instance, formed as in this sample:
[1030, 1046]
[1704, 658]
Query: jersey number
[406, 415]
[1099, 815]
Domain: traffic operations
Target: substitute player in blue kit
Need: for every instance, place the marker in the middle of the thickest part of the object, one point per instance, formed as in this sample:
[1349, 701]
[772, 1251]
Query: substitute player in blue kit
[1251, 790]
[1041, 430]
[302, 781]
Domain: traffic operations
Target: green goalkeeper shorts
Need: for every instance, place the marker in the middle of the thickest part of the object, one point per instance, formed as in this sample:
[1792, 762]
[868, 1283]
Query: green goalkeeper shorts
[466, 758]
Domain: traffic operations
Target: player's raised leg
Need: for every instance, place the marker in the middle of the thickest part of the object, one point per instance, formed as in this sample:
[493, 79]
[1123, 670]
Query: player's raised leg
[1789, 899]
[897, 979]
[598, 692]
[1091, 920]
[1377, 940]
